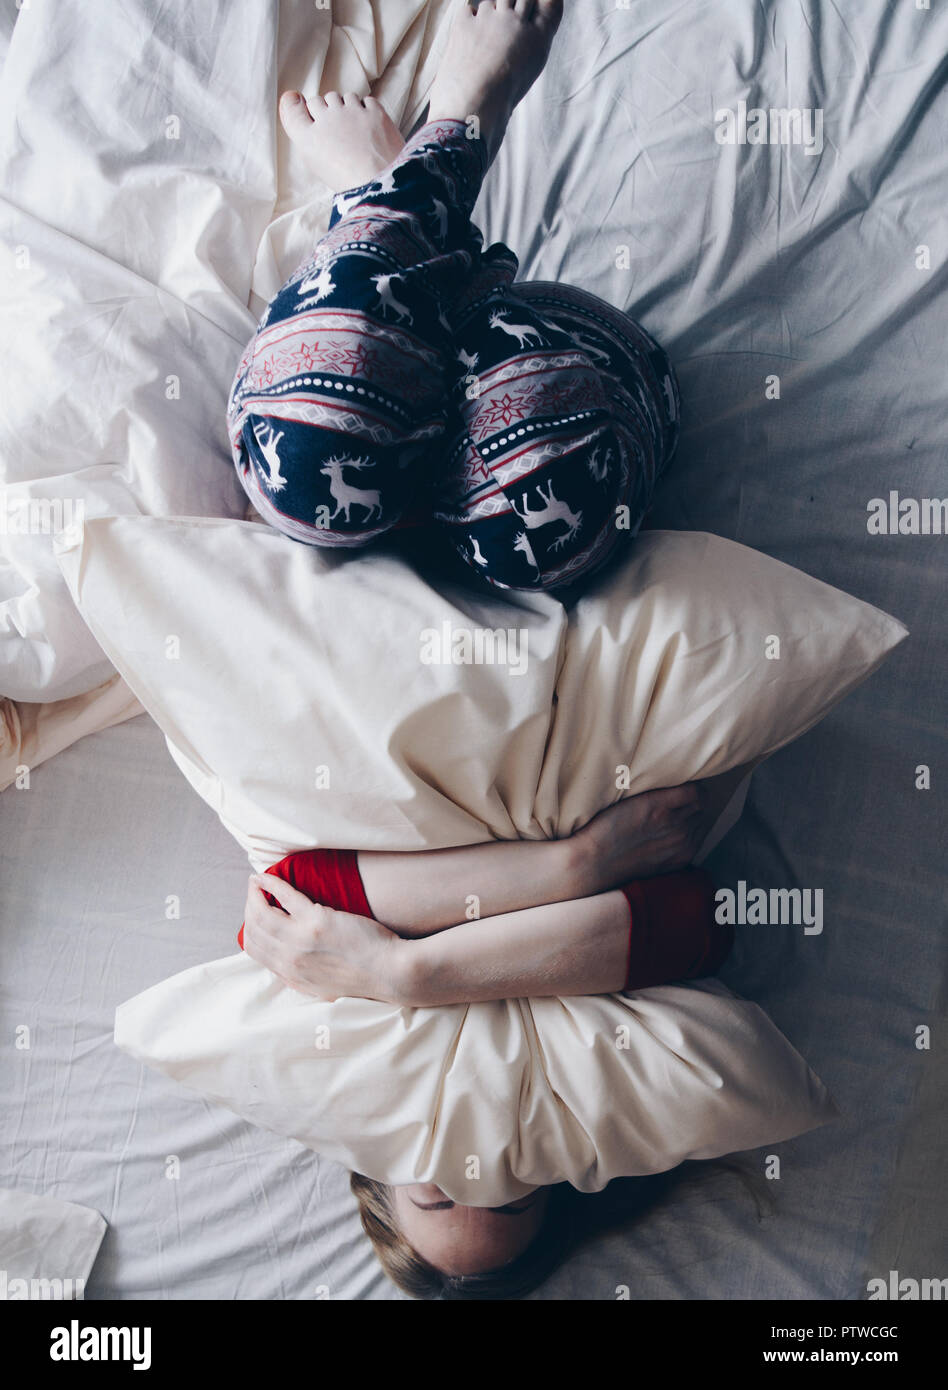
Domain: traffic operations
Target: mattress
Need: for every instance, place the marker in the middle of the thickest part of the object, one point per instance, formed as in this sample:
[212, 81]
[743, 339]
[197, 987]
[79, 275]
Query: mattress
[806, 323]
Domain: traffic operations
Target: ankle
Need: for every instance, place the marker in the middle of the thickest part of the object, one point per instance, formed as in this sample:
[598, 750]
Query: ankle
[472, 126]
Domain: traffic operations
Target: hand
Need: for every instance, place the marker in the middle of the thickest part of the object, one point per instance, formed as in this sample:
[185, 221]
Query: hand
[652, 833]
[317, 950]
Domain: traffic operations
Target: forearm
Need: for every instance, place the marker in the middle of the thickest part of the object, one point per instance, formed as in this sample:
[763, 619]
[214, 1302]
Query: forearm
[561, 948]
[418, 893]
[425, 891]
[651, 932]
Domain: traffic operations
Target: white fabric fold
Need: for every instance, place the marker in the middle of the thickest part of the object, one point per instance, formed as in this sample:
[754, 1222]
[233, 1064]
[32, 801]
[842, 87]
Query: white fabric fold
[47, 1246]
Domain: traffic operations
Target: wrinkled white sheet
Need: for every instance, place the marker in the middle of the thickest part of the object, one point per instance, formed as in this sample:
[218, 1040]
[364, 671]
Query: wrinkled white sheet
[148, 197]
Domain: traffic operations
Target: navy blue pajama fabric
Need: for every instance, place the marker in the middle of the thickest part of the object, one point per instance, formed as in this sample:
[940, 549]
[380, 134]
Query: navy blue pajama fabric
[400, 377]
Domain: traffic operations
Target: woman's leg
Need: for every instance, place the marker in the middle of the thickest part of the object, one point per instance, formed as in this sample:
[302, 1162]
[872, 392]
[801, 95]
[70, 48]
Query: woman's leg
[340, 400]
[342, 394]
[560, 442]
[539, 464]
[559, 421]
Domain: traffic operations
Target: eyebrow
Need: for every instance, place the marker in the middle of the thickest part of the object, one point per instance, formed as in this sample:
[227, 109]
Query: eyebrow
[446, 1206]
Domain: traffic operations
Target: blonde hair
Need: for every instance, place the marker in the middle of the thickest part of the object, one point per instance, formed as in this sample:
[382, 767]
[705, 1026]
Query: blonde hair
[572, 1218]
[414, 1275]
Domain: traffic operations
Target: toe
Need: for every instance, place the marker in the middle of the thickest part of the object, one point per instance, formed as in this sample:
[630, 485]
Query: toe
[294, 113]
[333, 99]
[525, 8]
[352, 99]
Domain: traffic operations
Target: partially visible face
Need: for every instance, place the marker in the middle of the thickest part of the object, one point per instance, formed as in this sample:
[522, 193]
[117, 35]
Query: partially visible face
[466, 1240]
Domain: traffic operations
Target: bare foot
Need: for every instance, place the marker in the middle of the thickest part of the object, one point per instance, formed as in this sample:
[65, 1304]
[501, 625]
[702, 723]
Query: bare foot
[345, 140]
[640, 836]
[493, 57]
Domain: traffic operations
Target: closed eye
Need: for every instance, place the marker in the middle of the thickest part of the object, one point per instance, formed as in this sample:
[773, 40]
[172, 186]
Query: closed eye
[509, 1210]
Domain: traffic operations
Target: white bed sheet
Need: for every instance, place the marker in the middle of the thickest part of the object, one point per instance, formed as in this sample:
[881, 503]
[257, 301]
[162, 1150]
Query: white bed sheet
[149, 207]
[113, 830]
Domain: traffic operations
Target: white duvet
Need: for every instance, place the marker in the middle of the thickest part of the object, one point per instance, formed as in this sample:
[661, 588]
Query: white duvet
[150, 206]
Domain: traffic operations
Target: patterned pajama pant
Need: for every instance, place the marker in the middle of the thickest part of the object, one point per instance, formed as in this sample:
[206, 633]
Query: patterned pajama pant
[401, 380]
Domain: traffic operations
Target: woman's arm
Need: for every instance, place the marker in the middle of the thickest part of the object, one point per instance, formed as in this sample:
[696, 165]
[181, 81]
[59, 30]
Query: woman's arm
[652, 932]
[498, 887]
[424, 891]
[578, 947]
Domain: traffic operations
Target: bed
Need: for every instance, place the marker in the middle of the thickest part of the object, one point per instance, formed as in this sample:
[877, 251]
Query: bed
[798, 294]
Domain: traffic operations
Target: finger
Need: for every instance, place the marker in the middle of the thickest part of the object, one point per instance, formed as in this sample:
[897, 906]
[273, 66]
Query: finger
[281, 963]
[286, 895]
[258, 902]
[284, 936]
[294, 113]
[266, 951]
[275, 929]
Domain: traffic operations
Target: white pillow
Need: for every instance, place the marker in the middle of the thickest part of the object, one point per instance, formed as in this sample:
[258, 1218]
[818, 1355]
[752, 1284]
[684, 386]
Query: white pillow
[537, 1091]
[271, 666]
[265, 661]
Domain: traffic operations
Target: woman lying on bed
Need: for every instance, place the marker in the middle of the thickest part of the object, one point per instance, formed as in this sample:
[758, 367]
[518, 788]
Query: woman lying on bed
[610, 908]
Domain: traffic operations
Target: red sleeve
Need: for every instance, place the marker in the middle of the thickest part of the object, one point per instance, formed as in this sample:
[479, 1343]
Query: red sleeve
[328, 876]
[673, 934]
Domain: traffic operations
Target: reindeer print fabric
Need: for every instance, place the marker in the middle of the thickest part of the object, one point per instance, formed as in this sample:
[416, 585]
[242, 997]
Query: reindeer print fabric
[400, 380]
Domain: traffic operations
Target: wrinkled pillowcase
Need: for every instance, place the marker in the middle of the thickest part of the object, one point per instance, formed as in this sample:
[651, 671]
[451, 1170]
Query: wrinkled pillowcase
[294, 695]
[487, 1100]
[297, 694]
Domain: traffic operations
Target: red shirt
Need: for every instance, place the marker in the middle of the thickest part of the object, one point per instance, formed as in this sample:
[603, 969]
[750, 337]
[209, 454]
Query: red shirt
[673, 934]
